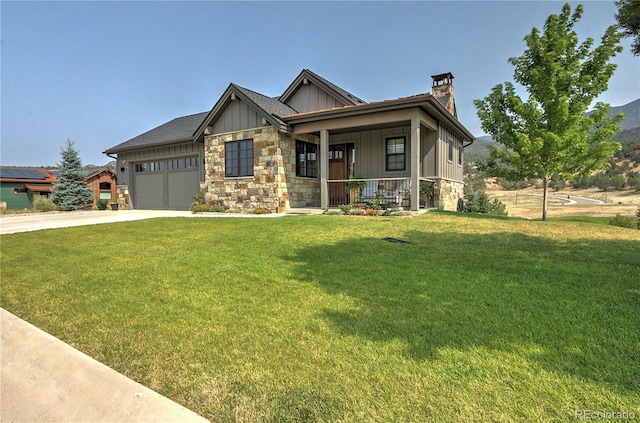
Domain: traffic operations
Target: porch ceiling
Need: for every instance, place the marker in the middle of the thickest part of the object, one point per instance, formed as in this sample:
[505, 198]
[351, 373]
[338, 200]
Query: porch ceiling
[366, 121]
[378, 115]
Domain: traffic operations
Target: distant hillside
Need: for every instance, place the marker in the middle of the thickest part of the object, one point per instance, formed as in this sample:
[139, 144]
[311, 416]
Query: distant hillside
[630, 131]
[631, 114]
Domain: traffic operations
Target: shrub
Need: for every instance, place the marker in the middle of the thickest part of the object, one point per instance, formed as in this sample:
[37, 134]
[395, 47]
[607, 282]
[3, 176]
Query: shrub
[206, 208]
[102, 204]
[377, 204]
[345, 208]
[623, 221]
[44, 204]
[356, 212]
[638, 216]
[479, 202]
[333, 213]
[261, 210]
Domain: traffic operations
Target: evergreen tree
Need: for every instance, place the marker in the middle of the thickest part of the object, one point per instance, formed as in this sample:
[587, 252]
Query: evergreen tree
[550, 135]
[70, 191]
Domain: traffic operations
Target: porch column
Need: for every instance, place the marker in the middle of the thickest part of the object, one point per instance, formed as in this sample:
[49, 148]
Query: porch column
[415, 164]
[324, 169]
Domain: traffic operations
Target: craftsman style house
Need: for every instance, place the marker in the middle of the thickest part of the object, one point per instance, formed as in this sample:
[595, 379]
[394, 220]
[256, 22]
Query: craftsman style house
[301, 149]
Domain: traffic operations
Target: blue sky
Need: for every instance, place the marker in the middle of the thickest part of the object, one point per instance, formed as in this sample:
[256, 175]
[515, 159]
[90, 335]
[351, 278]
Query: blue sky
[101, 73]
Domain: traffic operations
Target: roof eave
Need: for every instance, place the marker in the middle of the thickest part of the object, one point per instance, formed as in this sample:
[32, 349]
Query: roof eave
[145, 146]
[382, 106]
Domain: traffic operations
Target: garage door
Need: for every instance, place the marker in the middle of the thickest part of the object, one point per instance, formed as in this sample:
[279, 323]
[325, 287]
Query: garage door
[167, 184]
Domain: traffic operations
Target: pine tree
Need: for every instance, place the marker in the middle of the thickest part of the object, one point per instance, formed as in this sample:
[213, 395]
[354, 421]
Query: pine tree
[70, 191]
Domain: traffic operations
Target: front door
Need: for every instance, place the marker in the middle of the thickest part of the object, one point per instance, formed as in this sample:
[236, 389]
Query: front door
[340, 158]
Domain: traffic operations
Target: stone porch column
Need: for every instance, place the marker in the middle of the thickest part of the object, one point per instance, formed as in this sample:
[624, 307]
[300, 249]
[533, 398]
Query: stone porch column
[324, 169]
[415, 164]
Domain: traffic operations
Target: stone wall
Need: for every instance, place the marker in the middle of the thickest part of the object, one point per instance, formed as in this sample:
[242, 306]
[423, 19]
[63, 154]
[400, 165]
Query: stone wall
[447, 193]
[273, 185]
[123, 197]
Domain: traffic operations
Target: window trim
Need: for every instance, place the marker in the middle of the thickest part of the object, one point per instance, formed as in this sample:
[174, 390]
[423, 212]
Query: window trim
[310, 165]
[387, 154]
[237, 165]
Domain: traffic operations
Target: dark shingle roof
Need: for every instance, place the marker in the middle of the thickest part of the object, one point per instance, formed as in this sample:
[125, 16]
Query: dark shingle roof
[271, 105]
[341, 91]
[179, 129]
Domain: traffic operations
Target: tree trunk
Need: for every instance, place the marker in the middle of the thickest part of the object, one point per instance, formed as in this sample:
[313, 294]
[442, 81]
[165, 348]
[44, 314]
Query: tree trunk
[545, 185]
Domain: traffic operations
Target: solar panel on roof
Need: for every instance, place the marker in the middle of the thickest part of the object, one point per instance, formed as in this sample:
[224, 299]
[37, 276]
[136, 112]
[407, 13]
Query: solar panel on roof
[21, 174]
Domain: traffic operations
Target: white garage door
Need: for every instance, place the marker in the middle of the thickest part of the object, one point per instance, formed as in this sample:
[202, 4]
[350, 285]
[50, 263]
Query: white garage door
[166, 184]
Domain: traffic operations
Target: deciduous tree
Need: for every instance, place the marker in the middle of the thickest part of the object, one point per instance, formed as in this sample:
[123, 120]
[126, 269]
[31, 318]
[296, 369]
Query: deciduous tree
[628, 18]
[550, 134]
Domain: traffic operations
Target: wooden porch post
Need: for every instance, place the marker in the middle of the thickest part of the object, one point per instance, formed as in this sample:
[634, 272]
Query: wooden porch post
[415, 164]
[324, 169]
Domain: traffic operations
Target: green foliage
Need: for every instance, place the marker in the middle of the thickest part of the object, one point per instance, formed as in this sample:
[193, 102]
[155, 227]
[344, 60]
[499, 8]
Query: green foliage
[356, 183]
[633, 180]
[479, 202]
[207, 208]
[70, 191]
[377, 204]
[638, 216]
[345, 208]
[510, 185]
[624, 221]
[550, 133]
[628, 18]
[44, 204]
[102, 204]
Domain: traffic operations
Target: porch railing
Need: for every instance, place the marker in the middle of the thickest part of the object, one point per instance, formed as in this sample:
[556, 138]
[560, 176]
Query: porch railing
[394, 191]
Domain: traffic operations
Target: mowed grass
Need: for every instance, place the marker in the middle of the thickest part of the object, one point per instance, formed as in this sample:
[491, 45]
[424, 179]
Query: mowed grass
[319, 319]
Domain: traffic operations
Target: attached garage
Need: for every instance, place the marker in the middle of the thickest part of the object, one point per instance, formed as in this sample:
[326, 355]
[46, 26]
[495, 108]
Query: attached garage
[162, 168]
[166, 184]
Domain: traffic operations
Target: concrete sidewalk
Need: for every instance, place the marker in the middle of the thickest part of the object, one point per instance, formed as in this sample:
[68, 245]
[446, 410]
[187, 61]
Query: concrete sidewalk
[42, 379]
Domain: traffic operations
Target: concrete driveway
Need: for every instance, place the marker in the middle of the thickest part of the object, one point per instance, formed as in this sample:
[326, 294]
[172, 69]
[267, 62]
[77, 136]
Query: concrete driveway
[33, 222]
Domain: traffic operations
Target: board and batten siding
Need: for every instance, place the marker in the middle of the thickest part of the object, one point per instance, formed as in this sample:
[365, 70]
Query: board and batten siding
[187, 149]
[310, 98]
[370, 149]
[237, 116]
[449, 169]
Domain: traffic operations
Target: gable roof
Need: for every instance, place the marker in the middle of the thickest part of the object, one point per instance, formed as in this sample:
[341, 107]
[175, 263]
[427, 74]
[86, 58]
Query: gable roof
[269, 108]
[176, 130]
[339, 93]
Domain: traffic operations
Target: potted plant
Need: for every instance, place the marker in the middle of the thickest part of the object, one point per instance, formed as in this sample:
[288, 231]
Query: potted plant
[426, 193]
[355, 185]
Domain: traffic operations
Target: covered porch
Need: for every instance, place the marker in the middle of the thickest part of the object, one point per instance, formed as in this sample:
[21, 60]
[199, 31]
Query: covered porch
[383, 150]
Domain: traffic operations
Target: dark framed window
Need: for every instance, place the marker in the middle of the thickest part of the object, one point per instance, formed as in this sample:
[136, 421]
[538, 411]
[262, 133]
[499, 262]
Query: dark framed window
[460, 150]
[148, 167]
[306, 159]
[450, 144]
[395, 153]
[238, 158]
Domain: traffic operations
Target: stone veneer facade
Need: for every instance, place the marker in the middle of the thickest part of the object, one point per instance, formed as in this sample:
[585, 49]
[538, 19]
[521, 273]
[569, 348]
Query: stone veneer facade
[447, 193]
[274, 184]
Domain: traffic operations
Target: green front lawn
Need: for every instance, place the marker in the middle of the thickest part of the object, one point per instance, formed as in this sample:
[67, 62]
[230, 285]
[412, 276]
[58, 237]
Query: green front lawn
[319, 319]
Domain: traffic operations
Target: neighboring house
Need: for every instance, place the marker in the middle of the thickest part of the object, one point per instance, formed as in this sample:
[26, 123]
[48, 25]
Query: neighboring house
[20, 185]
[299, 150]
[102, 183]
